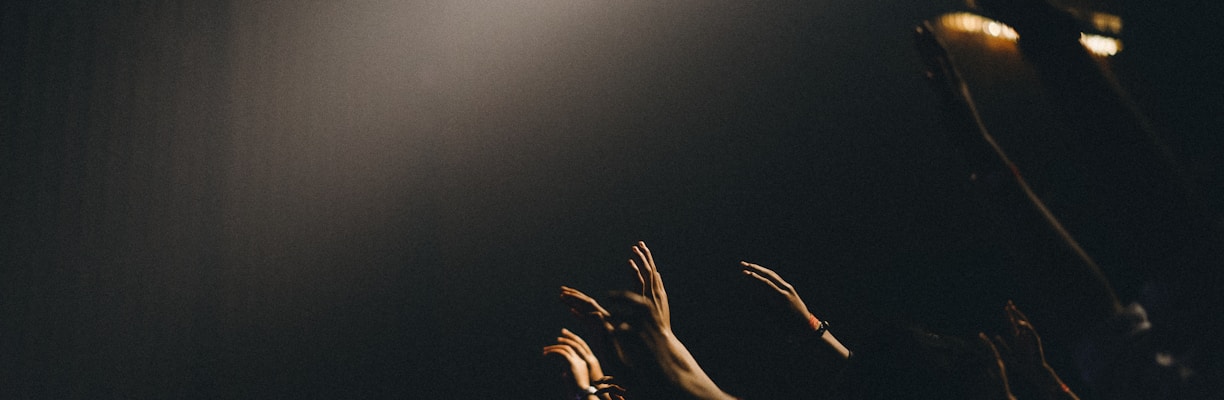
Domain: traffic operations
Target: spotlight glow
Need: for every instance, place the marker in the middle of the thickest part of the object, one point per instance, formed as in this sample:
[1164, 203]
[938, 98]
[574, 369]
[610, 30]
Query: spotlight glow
[1101, 45]
[1107, 23]
[972, 23]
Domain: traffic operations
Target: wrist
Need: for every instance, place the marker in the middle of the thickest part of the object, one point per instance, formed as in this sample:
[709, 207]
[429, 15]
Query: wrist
[586, 393]
[820, 327]
[1050, 381]
[596, 372]
[1062, 392]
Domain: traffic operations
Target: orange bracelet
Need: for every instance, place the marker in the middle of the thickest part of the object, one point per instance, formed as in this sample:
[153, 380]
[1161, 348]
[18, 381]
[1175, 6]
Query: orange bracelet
[813, 322]
[817, 325]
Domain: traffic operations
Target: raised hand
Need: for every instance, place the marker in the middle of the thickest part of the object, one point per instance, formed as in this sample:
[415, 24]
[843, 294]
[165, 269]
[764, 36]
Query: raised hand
[785, 290]
[794, 304]
[662, 368]
[580, 346]
[1026, 344]
[586, 309]
[652, 284]
[584, 367]
[1022, 348]
[578, 367]
[998, 370]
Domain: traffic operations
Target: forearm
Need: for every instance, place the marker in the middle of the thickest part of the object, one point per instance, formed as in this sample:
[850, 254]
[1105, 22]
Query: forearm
[836, 345]
[821, 328]
[688, 375]
[1053, 386]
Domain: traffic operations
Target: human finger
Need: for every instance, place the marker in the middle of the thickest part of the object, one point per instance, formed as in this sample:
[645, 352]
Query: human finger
[1011, 308]
[564, 351]
[991, 345]
[759, 275]
[578, 342]
[770, 274]
[999, 369]
[658, 292]
[650, 259]
[646, 250]
[651, 271]
[1011, 319]
[768, 282]
[1028, 334]
[609, 388]
[578, 300]
[571, 343]
[641, 277]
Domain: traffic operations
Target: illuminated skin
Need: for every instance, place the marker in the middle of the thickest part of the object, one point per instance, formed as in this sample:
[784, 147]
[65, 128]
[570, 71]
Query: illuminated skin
[584, 367]
[580, 346]
[664, 368]
[578, 367]
[652, 284]
[788, 293]
[593, 315]
[642, 329]
[586, 309]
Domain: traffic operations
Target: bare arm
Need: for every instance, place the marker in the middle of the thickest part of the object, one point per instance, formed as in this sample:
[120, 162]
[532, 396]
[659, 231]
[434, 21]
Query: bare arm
[663, 366]
[800, 310]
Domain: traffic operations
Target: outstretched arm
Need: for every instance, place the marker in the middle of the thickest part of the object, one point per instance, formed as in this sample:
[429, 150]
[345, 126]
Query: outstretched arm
[661, 364]
[661, 367]
[795, 304]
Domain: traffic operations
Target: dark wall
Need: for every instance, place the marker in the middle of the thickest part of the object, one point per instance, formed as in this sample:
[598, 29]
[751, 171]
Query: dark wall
[115, 136]
[377, 199]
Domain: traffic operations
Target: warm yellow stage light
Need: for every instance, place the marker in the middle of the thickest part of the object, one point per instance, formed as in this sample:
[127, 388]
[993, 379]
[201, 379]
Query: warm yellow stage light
[972, 23]
[1107, 23]
[966, 22]
[1101, 45]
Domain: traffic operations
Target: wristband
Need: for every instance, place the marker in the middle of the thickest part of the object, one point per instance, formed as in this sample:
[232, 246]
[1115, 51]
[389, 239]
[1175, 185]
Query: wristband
[819, 326]
[585, 393]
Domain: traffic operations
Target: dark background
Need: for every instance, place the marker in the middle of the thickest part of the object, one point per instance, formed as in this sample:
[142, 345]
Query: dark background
[376, 199]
